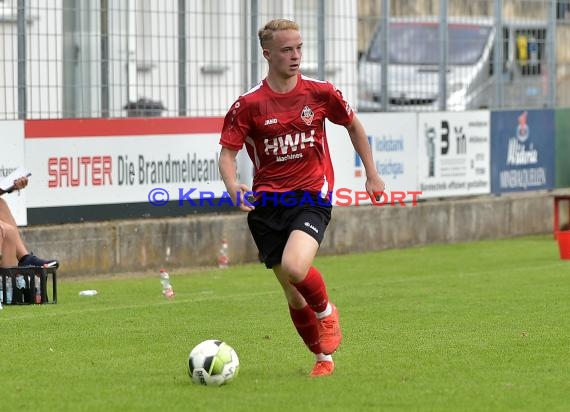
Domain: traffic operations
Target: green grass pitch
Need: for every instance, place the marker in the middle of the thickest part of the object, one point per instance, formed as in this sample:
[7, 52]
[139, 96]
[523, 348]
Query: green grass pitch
[480, 326]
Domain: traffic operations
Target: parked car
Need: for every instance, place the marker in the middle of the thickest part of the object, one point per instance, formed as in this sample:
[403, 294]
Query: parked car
[414, 58]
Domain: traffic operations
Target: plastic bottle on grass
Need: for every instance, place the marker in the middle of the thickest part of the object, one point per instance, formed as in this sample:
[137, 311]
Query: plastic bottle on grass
[223, 258]
[167, 290]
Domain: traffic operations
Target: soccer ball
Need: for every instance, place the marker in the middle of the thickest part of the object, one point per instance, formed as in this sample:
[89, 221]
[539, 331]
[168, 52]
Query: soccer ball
[213, 363]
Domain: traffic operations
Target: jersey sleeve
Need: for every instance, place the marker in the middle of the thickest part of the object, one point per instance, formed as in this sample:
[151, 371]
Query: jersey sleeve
[236, 126]
[339, 110]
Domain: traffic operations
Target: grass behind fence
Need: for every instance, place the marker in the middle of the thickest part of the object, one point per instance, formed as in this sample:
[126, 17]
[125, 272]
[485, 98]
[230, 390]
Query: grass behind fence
[467, 327]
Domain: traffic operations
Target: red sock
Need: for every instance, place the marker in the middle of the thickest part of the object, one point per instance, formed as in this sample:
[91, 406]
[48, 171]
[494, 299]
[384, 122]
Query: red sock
[305, 322]
[313, 289]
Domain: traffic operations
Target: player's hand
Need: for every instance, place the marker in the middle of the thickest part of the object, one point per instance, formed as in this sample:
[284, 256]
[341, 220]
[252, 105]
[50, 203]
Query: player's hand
[375, 186]
[244, 194]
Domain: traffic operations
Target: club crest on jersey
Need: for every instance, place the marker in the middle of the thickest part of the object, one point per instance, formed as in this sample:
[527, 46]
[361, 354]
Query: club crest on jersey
[307, 115]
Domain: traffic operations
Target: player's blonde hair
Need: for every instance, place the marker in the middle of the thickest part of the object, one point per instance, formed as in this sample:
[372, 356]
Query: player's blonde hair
[266, 33]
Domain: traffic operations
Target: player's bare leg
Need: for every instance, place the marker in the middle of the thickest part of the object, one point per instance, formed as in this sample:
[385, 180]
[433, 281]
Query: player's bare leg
[7, 217]
[8, 240]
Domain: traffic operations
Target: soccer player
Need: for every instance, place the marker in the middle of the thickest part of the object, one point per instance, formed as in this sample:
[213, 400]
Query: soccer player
[281, 121]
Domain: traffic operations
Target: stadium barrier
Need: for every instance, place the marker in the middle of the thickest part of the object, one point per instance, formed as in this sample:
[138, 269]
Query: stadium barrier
[79, 177]
[146, 245]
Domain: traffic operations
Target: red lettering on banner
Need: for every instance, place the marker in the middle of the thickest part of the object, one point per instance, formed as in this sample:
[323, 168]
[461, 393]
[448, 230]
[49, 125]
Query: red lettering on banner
[52, 172]
[80, 171]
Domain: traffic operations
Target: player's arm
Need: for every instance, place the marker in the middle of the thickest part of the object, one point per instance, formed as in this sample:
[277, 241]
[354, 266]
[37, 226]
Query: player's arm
[228, 171]
[374, 183]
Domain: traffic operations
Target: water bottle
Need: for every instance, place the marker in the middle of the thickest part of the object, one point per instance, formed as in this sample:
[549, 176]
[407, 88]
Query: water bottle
[8, 290]
[20, 282]
[223, 258]
[167, 290]
[21, 286]
[38, 289]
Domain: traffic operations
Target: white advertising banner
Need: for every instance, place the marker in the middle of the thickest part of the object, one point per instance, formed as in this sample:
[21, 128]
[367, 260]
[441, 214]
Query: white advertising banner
[138, 164]
[393, 140]
[11, 158]
[454, 153]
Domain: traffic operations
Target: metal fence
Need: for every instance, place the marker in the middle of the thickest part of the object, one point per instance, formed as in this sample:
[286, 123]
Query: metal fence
[117, 58]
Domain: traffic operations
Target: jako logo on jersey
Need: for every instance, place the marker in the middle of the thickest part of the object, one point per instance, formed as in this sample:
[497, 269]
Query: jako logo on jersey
[270, 121]
[307, 115]
[289, 143]
[307, 224]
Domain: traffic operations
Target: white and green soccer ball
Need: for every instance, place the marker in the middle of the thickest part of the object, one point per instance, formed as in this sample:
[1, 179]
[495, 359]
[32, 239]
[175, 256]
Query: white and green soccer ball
[213, 363]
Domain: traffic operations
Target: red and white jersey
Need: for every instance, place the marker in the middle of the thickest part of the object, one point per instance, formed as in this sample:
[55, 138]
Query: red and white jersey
[284, 134]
